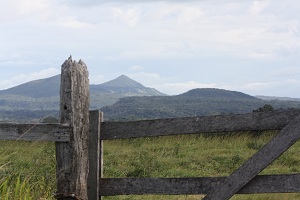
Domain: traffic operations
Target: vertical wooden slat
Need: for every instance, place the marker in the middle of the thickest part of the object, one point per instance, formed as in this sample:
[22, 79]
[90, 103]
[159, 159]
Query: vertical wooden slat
[259, 161]
[95, 148]
[100, 158]
[72, 157]
[101, 149]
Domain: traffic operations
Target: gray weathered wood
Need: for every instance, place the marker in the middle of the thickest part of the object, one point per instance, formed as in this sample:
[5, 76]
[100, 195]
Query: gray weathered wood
[101, 167]
[34, 132]
[72, 157]
[177, 186]
[259, 161]
[95, 152]
[209, 124]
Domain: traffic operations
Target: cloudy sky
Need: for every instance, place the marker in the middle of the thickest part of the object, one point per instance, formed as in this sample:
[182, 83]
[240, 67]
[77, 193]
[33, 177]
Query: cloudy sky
[171, 45]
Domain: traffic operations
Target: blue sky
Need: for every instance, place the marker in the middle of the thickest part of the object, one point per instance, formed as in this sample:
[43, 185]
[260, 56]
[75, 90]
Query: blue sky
[173, 46]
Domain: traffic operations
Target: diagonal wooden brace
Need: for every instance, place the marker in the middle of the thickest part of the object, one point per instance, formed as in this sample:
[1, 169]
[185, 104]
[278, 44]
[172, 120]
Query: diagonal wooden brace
[258, 162]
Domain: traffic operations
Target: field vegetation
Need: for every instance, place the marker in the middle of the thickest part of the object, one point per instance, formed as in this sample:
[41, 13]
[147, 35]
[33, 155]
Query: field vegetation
[27, 169]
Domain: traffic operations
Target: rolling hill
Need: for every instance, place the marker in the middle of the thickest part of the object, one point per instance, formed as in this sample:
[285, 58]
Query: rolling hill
[216, 93]
[196, 102]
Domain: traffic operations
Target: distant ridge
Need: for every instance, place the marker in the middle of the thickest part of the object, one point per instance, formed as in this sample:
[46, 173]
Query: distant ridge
[216, 93]
[271, 98]
[47, 87]
[196, 102]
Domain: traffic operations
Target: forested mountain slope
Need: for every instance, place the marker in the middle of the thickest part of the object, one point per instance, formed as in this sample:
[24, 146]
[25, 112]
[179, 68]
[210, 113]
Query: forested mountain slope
[196, 102]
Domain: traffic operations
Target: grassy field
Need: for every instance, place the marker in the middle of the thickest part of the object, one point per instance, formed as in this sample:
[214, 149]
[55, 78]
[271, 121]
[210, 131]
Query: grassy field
[27, 169]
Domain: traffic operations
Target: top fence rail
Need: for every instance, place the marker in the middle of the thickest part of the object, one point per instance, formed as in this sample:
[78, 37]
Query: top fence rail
[275, 120]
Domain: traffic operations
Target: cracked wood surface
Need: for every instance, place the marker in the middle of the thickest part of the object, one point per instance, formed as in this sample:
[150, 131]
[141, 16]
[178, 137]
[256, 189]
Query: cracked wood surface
[204, 185]
[258, 121]
[34, 132]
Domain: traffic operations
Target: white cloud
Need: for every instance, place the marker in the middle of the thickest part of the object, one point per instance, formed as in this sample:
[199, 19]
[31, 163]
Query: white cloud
[286, 72]
[23, 78]
[258, 6]
[97, 79]
[147, 79]
[18, 9]
[177, 29]
[220, 35]
[136, 68]
[128, 15]
[181, 87]
[72, 22]
[257, 86]
[285, 87]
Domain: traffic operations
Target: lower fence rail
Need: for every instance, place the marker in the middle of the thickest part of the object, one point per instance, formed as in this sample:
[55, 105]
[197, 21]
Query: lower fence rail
[284, 183]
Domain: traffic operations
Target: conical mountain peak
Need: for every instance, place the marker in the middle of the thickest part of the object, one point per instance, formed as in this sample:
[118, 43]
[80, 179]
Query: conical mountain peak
[124, 85]
[123, 81]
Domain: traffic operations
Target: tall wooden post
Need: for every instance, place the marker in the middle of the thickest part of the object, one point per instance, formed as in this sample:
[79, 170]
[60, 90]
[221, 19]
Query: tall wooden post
[72, 157]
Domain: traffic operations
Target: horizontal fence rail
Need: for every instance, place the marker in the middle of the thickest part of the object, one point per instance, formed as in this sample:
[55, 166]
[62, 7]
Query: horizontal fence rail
[34, 132]
[204, 185]
[257, 121]
[275, 120]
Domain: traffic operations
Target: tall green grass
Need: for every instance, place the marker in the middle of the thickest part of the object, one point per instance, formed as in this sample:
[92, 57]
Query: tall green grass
[27, 169]
[192, 156]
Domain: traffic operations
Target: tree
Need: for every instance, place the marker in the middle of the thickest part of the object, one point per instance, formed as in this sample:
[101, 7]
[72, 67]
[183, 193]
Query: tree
[265, 108]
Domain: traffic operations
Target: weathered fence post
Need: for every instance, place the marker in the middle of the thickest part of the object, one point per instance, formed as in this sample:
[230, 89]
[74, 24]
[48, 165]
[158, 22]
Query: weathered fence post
[95, 155]
[72, 156]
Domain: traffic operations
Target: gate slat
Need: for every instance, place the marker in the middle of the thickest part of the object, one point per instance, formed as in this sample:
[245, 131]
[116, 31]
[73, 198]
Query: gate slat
[259, 161]
[258, 121]
[204, 185]
[35, 132]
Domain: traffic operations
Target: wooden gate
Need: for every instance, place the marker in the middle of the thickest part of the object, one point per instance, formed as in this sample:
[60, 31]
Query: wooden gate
[244, 180]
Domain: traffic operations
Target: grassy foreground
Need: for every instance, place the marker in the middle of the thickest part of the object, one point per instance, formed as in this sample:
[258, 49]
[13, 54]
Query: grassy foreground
[27, 169]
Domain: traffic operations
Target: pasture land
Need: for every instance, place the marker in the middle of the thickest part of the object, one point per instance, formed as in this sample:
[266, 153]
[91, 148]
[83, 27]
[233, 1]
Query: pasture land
[27, 169]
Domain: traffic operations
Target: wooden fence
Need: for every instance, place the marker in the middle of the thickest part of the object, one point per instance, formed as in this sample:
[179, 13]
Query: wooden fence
[79, 143]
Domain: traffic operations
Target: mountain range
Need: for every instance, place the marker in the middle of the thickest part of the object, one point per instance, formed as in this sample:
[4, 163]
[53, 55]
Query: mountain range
[39, 98]
[49, 87]
[125, 99]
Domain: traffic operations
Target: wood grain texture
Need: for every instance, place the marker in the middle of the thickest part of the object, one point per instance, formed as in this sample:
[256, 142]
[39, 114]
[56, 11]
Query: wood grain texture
[178, 186]
[34, 132]
[95, 154]
[72, 157]
[258, 121]
[259, 161]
